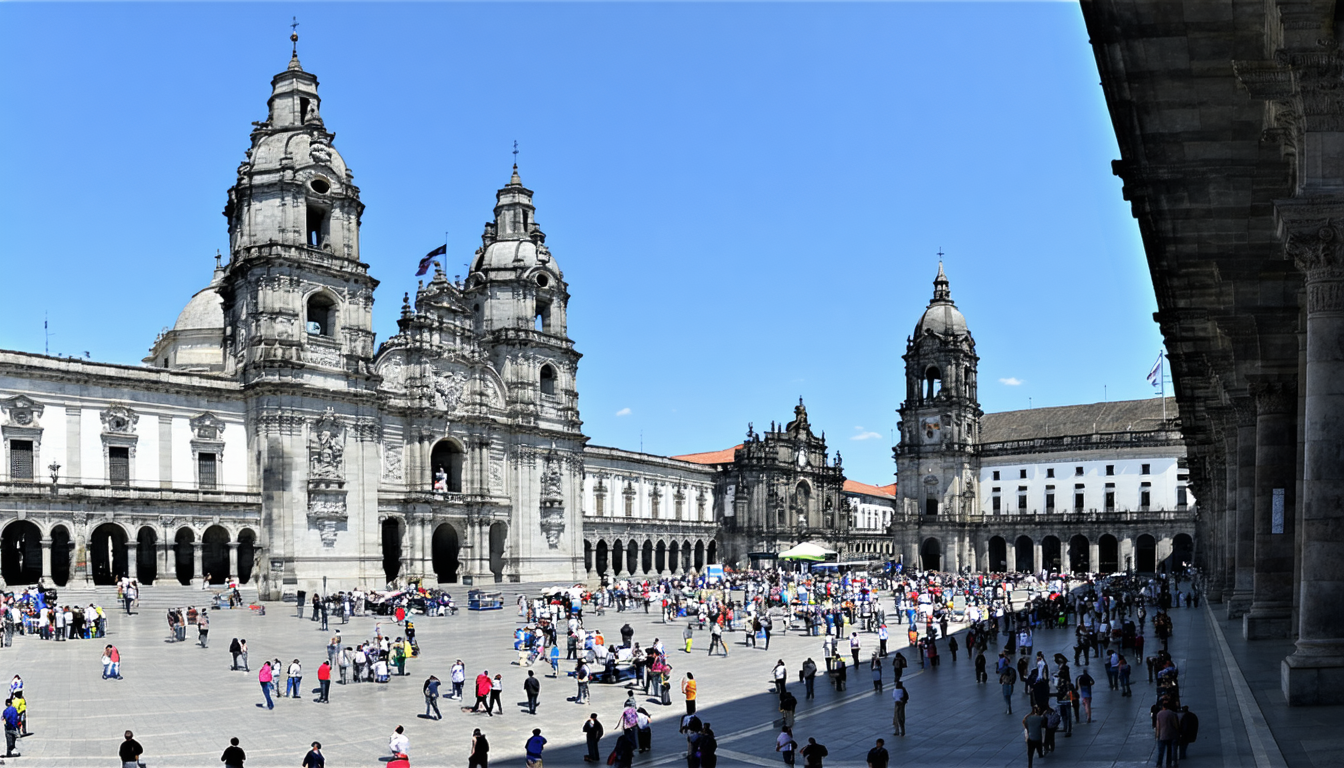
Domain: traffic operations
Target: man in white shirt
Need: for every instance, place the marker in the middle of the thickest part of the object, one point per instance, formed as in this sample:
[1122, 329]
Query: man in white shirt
[458, 676]
[399, 744]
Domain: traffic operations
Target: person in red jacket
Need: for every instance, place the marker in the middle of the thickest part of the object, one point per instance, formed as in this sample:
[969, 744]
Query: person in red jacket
[483, 693]
[324, 681]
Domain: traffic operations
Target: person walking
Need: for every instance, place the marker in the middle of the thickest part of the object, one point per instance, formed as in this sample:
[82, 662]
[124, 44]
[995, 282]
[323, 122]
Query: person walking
[813, 754]
[324, 681]
[809, 675]
[265, 677]
[482, 693]
[242, 654]
[532, 688]
[294, 679]
[1007, 679]
[1084, 684]
[458, 677]
[581, 677]
[480, 750]
[315, 758]
[900, 697]
[688, 688]
[203, 628]
[1033, 726]
[1167, 729]
[496, 691]
[878, 756]
[898, 665]
[1187, 720]
[431, 691]
[234, 755]
[532, 750]
[785, 745]
[592, 732]
[11, 717]
[781, 674]
[130, 750]
[716, 639]
[234, 650]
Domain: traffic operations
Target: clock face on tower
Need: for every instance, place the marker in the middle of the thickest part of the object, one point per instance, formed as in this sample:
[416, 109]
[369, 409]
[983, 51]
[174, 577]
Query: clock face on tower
[802, 457]
[932, 427]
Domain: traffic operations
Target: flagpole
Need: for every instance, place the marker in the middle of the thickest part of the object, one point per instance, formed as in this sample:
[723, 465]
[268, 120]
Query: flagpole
[1162, 374]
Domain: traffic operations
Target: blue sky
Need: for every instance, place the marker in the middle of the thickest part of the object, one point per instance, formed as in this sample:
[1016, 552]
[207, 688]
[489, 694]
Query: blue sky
[746, 199]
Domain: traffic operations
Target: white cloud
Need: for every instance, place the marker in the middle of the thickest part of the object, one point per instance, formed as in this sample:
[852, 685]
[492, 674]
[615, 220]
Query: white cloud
[864, 434]
[623, 412]
[1011, 381]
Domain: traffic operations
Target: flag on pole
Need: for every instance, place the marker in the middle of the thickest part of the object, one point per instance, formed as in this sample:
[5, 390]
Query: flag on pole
[1155, 375]
[429, 259]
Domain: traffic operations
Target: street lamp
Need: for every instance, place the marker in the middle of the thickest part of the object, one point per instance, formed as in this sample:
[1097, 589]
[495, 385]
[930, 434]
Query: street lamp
[55, 470]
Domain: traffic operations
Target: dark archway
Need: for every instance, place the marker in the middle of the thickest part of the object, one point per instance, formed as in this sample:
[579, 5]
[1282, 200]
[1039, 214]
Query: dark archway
[499, 533]
[391, 539]
[184, 558]
[61, 549]
[107, 553]
[1079, 555]
[146, 546]
[215, 554]
[445, 466]
[600, 558]
[998, 555]
[1108, 554]
[1051, 554]
[660, 557]
[617, 557]
[686, 557]
[247, 554]
[632, 558]
[1026, 560]
[647, 557]
[1182, 553]
[931, 555]
[21, 553]
[700, 556]
[445, 552]
[712, 552]
[1145, 554]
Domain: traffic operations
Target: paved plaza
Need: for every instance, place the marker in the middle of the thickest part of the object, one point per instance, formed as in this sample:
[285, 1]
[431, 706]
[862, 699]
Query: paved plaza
[184, 703]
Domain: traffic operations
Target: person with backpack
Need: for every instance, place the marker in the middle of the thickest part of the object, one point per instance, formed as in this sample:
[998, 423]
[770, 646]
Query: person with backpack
[898, 665]
[1007, 679]
[785, 745]
[813, 754]
[1052, 723]
[431, 691]
[900, 697]
[1189, 727]
[1085, 683]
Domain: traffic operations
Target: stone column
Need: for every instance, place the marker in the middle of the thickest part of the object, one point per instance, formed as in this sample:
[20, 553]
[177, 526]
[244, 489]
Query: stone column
[1011, 550]
[197, 562]
[1094, 553]
[133, 559]
[233, 559]
[46, 560]
[169, 568]
[1275, 499]
[1314, 673]
[1218, 512]
[1243, 528]
[1228, 532]
[1036, 554]
[1125, 553]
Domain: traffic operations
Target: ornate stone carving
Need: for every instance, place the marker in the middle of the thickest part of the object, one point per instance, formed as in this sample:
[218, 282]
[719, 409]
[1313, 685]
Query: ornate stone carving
[320, 354]
[448, 388]
[327, 512]
[1276, 396]
[326, 448]
[118, 419]
[552, 523]
[1243, 409]
[319, 152]
[551, 489]
[207, 426]
[22, 411]
[392, 462]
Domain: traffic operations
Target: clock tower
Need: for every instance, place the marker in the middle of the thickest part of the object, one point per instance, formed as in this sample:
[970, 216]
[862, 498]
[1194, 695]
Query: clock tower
[936, 463]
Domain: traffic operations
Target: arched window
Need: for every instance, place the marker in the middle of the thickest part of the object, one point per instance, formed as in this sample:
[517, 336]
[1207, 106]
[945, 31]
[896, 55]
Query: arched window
[547, 380]
[933, 379]
[446, 462]
[321, 315]
[543, 319]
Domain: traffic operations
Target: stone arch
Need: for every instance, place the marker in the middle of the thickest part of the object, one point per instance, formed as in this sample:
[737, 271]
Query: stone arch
[712, 552]
[1108, 554]
[660, 556]
[617, 557]
[107, 553]
[1052, 554]
[600, 558]
[21, 553]
[321, 312]
[247, 554]
[647, 556]
[62, 548]
[215, 554]
[587, 556]
[700, 556]
[1023, 549]
[1079, 554]
[686, 563]
[445, 553]
[499, 536]
[998, 554]
[449, 457]
[392, 530]
[1182, 552]
[632, 557]
[146, 567]
[1145, 554]
[184, 555]
[931, 554]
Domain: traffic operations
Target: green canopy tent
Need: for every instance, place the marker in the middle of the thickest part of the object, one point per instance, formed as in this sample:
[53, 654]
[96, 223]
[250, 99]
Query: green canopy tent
[807, 551]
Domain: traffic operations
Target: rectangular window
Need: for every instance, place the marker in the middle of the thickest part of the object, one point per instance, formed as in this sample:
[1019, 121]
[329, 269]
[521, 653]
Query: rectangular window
[1021, 500]
[1110, 469]
[996, 503]
[1078, 471]
[1145, 495]
[1050, 472]
[119, 465]
[601, 502]
[21, 460]
[1049, 498]
[1110, 497]
[629, 506]
[1079, 499]
[1021, 474]
[1181, 499]
[206, 469]
[996, 474]
[1146, 468]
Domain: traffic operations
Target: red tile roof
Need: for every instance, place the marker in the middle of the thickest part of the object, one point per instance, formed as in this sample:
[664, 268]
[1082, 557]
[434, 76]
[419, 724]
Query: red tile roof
[854, 486]
[710, 457]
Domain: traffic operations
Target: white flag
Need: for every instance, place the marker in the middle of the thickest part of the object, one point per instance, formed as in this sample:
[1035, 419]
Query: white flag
[1155, 375]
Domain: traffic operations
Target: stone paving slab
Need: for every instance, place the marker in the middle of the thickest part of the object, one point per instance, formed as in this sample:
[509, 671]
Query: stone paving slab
[184, 703]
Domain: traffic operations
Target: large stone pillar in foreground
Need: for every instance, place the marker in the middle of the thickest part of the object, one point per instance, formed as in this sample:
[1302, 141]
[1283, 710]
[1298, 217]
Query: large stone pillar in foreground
[1242, 527]
[1314, 673]
[1271, 608]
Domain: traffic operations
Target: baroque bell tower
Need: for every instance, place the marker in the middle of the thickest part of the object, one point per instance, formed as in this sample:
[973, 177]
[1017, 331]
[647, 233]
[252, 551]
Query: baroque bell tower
[936, 462]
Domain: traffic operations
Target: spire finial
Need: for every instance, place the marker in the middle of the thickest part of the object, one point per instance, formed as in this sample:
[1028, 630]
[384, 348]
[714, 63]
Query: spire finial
[294, 42]
[218, 259]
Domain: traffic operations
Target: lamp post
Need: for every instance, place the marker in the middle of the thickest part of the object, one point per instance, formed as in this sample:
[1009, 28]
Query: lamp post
[55, 470]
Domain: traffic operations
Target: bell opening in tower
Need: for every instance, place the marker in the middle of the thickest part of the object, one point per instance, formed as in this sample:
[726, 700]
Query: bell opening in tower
[934, 382]
[547, 380]
[318, 222]
[321, 312]
[930, 507]
[303, 111]
[447, 460]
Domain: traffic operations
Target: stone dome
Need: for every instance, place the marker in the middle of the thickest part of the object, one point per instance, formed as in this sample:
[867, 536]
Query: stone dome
[942, 316]
[513, 254]
[204, 311]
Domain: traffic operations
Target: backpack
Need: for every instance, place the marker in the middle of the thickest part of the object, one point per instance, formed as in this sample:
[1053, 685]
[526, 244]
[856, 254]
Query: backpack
[1053, 720]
